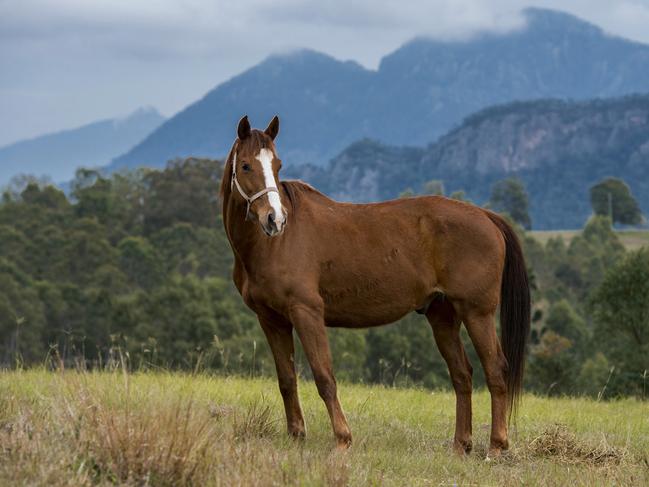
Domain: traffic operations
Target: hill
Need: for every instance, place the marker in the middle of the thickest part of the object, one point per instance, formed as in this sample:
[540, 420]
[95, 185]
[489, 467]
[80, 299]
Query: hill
[558, 148]
[418, 92]
[59, 154]
[97, 429]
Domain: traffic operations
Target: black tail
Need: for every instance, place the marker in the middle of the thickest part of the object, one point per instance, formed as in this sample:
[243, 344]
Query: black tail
[514, 311]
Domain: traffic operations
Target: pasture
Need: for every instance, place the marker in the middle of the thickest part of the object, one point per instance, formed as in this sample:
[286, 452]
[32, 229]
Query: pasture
[631, 239]
[160, 428]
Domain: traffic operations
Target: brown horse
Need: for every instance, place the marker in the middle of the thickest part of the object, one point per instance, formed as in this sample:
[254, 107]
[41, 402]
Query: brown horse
[304, 262]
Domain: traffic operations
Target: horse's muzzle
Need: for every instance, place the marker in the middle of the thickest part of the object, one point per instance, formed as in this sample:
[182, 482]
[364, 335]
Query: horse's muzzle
[273, 224]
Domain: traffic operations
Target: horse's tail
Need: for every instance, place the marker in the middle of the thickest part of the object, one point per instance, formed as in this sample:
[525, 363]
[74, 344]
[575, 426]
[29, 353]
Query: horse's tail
[514, 311]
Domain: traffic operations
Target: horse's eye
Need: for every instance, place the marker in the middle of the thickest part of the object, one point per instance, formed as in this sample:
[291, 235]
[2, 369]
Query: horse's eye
[246, 167]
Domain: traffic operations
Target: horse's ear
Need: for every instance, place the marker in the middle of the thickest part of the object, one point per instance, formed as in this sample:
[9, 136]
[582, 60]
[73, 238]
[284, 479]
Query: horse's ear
[243, 130]
[273, 128]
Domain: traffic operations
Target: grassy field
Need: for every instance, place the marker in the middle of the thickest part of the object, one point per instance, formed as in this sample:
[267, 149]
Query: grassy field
[171, 429]
[631, 239]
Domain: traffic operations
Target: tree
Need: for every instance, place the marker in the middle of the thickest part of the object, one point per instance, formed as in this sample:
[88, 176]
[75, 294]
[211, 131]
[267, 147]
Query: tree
[556, 356]
[612, 197]
[590, 254]
[552, 364]
[140, 262]
[434, 187]
[509, 196]
[459, 195]
[22, 320]
[563, 320]
[186, 191]
[620, 308]
[18, 183]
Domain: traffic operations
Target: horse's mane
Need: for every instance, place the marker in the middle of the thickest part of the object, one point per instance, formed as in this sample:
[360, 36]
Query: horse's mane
[224, 191]
[296, 190]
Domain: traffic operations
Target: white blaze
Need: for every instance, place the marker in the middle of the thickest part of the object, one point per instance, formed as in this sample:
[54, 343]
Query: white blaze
[265, 156]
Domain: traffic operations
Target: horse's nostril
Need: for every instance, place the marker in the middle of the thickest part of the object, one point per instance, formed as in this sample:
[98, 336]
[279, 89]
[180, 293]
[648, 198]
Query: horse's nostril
[272, 225]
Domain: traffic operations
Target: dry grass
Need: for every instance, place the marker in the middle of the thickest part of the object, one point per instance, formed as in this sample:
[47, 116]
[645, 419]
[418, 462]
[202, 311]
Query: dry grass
[256, 421]
[172, 429]
[560, 444]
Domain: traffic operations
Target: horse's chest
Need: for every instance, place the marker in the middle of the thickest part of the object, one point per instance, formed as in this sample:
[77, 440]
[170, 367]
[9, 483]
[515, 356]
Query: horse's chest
[263, 293]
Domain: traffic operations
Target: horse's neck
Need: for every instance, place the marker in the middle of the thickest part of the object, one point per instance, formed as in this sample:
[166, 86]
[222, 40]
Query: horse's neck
[234, 214]
[242, 234]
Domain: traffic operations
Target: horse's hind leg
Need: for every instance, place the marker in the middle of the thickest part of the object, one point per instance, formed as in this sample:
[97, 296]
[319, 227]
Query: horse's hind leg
[280, 339]
[310, 327]
[482, 330]
[446, 328]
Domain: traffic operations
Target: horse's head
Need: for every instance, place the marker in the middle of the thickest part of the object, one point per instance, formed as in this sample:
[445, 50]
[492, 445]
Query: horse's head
[255, 168]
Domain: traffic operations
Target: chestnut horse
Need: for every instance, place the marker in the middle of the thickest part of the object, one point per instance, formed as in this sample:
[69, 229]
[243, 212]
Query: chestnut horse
[304, 262]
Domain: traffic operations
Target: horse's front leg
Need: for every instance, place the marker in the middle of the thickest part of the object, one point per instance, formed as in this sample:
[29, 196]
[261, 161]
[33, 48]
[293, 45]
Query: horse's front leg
[310, 326]
[280, 338]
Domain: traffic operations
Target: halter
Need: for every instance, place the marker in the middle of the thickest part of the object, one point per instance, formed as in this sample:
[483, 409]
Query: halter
[249, 199]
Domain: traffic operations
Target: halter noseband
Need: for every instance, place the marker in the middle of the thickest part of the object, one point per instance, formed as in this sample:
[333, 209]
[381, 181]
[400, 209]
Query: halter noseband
[249, 199]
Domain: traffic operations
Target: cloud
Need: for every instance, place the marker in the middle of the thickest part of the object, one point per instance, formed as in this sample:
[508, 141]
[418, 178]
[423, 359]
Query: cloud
[65, 62]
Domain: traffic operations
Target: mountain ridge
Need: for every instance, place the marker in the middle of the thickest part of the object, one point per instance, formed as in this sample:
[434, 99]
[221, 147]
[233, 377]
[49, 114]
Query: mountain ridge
[558, 148]
[419, 91]
[59, 154]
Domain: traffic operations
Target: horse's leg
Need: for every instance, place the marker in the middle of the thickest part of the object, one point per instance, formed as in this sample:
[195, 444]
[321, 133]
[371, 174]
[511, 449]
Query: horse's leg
[310, 327]
[482, 330]
[280, 339]
[446, 328]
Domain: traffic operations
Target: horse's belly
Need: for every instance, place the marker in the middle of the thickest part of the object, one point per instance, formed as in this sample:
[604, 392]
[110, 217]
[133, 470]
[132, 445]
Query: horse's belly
[355, 319]
[370, 308]
[364, 292]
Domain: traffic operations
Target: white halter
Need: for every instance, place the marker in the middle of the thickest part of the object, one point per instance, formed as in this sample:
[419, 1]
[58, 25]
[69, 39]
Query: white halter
[249, 199]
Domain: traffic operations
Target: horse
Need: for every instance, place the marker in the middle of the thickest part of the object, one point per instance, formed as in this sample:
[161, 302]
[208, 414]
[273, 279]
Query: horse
[305, 262]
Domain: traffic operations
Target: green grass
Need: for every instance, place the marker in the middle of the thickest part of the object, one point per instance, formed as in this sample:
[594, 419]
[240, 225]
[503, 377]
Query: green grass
[631, 239]
[174, 429]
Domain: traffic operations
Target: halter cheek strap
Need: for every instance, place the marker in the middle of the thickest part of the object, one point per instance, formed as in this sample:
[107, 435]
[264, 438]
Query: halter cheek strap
[249, 199]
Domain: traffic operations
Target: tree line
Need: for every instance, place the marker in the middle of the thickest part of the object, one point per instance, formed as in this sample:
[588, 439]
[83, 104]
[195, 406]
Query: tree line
[136, 267]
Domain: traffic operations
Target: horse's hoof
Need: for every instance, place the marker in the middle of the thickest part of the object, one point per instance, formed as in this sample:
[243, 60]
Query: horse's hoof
[495, 453]
[462, 448]
[344, 443]
[496, 449]
[297, 435]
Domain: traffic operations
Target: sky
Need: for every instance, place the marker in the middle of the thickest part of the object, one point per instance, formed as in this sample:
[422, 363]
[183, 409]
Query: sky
[64, 63]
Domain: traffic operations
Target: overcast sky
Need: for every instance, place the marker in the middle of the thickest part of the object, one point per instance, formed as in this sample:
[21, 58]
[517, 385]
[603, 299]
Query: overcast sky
[64, 63]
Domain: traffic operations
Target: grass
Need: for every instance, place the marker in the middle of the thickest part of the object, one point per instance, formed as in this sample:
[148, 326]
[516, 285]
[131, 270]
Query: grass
[105, 428]
[631, 239]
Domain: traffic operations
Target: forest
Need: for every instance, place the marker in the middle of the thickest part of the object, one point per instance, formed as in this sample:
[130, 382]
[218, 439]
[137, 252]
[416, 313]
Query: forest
[135, 268]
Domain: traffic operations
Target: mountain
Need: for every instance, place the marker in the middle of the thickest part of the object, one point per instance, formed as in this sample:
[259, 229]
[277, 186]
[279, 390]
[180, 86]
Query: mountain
[59, 154]
[418, 92]
[314, 94]
[365, 171]
[559, 149]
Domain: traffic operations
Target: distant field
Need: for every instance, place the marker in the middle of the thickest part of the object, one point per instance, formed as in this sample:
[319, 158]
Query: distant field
[632, 239]
[173, 429]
